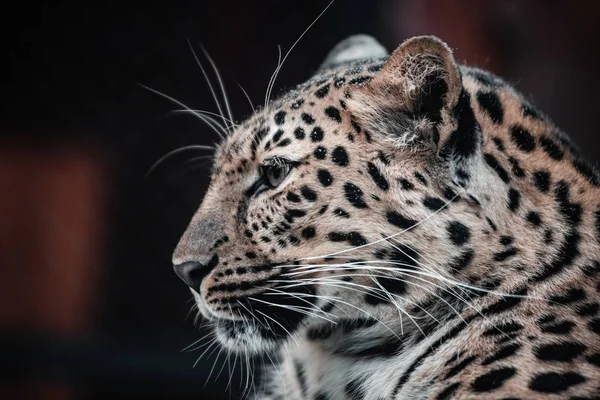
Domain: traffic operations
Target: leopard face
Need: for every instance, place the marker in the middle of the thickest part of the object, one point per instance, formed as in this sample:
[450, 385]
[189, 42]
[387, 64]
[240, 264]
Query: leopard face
[332, 195]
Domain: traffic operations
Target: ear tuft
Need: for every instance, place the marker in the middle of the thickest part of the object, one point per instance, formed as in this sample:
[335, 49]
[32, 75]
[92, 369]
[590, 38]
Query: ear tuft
[353, 48]
[407, 97]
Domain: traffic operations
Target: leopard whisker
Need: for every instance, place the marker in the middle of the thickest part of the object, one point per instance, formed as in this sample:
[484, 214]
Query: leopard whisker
[280, 64]
[384, 239]
[209, 83]
[221, 85]
[216, 127]
[297, 309]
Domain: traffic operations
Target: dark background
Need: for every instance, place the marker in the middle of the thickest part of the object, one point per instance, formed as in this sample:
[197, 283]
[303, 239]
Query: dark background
[71, 93]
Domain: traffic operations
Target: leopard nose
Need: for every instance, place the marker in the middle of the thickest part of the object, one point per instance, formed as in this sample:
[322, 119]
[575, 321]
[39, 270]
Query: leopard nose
[192, 272]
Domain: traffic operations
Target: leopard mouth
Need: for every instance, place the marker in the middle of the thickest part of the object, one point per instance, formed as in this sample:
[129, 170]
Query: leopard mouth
[265, 317]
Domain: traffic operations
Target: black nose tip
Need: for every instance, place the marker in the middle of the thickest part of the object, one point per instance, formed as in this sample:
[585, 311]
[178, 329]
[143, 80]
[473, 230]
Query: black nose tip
[191, 273]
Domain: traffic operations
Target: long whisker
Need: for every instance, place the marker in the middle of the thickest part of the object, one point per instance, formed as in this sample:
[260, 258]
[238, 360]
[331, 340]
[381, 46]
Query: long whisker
[230, 125]
[385, 239]
[297, 309]
[177, 151]
[221, 85]
[219, 129]
[210, 86]
[248, 98]
[274, 76]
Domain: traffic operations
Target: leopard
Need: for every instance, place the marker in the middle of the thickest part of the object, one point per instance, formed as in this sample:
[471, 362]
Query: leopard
[401, 226]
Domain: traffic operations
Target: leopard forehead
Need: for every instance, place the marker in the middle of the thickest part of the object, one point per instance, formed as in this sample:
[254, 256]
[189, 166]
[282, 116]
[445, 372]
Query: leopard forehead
[299, 116]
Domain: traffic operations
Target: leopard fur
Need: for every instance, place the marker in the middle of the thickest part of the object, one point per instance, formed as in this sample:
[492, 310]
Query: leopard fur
[429, 235]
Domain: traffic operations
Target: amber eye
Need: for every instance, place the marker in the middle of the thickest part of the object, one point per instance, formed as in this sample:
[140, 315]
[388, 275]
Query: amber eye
[274, 174]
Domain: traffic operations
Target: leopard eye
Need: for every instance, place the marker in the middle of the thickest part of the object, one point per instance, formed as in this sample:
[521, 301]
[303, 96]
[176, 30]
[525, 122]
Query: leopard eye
[275, 174]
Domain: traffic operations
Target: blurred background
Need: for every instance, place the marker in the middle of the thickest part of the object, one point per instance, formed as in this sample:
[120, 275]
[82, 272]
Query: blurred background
[89, 304]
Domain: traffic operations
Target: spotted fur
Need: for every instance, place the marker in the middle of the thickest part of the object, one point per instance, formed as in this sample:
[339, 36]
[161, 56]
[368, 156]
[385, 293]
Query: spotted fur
[428, 234]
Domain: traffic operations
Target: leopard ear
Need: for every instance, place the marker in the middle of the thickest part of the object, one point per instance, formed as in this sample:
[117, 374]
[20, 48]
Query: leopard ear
[353, 48]
[406, 100]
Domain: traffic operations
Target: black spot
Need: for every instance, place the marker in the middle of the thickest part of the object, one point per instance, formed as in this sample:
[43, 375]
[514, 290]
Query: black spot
[322, 91]
[522, 138]
[354, 238]
[280, 117]
[339, 156]
[551, 148]
[433, 203]
[571, 296]
[555, 382]
[355, 126]
[353, 390]
[324, 177]
[568, 251]
[375, 68]
[560, 352]
[307, 118]
[493, 162]
[505, 303]
[308, 193]
[421, 178]
[293, 197]
[587, 171]
[392, 285]
[322, 396]
[284, 142]
[354, 195]
[502, 353]
[377, 177]
[499, 143]
[299, 133]
[464, 141]
[333, 113]
[514, 199]
[359, 80]
[400, 221]
[571, 211]
[594, 326]
[406, 185]
[493, 379]
[592, 269]
[559, 328]
[534, 218]
[448, 393]
[503, 255]
[297, 104]
[450, 194]
[341, 213]
[301, 377]
[491, 104]
[256, 140]
[460, 366]
[516, 167]
[461, 262]
[384, 158]
[503, 328]
[317, 134]
[594, 359]
[541, 180]
[491, 224]
[291, 214]
[588, 309]
[405, 255]
[308, 233]
[458, 232]
[339, 82]
[506, 240]
[320, 153]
